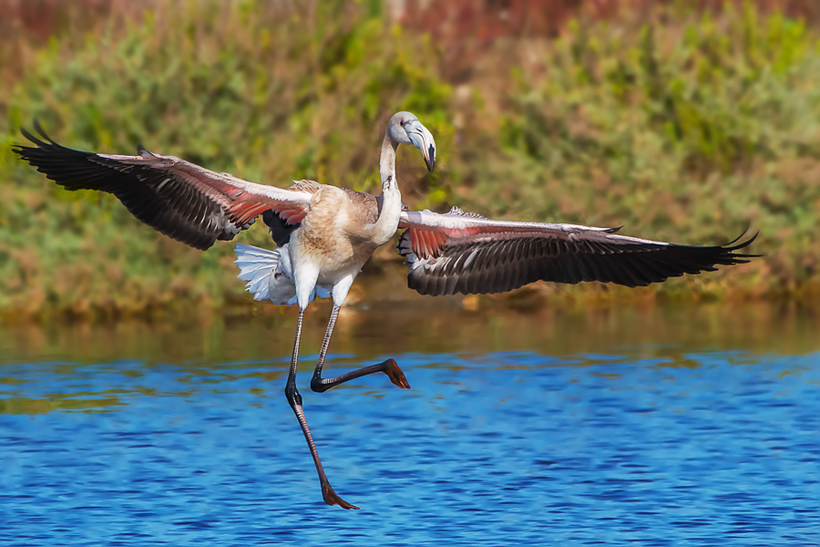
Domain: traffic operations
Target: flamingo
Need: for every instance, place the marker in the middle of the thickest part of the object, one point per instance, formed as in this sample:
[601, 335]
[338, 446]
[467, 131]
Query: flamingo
[325, 234]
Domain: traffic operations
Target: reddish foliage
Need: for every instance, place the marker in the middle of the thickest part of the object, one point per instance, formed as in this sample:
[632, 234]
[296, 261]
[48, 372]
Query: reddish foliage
[39, 19]
[457, 20]
[26, 25]
[465, 29]
[482, 19]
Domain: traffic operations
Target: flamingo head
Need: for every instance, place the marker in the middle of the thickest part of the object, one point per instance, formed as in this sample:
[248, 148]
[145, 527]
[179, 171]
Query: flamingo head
[405, 128]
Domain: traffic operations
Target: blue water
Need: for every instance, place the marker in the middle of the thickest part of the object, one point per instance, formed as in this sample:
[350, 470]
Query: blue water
[637, 444]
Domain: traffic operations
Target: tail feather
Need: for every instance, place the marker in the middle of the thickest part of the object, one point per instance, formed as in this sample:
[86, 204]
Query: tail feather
[256, 267]
[268, 276]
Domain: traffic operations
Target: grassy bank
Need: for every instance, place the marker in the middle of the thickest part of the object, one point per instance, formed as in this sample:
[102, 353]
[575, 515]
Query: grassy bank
[680, 124]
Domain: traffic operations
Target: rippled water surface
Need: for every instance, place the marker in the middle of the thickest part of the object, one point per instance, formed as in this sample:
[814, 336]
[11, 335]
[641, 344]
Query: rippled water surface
[695, 425]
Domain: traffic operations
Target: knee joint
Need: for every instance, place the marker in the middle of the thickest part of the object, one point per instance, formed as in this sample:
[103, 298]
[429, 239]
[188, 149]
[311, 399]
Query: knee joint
[292, 394]
[317, 385]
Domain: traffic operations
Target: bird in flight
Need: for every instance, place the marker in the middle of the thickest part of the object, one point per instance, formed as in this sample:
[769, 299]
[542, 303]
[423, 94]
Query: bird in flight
[324, 235]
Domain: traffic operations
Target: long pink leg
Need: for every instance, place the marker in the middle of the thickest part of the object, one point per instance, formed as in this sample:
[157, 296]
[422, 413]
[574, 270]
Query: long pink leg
[295, 400]
[319, 384]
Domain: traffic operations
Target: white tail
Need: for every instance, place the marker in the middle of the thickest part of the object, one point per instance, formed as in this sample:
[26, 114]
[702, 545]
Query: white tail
[268, 275]
[257, 267]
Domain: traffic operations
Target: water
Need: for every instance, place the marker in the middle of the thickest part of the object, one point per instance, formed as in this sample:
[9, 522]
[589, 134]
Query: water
[695, 425]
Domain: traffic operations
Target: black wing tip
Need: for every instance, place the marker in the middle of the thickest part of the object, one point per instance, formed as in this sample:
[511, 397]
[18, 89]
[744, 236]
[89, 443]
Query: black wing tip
[730, 246]
[24, 150]
[27, 152]
[41, 143]
[41, 131]
[733, 245]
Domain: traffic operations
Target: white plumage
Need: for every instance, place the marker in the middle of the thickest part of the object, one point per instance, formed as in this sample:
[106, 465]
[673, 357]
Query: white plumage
[269, 275]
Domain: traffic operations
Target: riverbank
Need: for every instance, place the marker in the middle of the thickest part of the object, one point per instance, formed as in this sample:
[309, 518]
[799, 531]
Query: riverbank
[383, 285]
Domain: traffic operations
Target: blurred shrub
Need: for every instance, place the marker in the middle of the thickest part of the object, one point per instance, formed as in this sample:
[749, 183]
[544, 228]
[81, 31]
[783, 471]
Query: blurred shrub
[267, 94]
[684, 131]
[678, 123]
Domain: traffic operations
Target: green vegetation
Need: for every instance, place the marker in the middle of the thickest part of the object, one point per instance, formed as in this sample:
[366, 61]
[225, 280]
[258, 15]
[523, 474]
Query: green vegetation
[683, 130]
[687, 133]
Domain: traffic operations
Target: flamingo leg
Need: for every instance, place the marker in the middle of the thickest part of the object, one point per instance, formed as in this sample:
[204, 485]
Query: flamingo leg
[295, 401]
[320, 385]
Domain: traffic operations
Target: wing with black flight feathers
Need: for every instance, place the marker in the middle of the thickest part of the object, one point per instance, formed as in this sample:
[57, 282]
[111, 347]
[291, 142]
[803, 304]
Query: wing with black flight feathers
[466, 253]
[180, 199]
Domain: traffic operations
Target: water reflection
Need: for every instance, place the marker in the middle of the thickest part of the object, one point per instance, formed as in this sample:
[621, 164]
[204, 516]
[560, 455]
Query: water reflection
[660, 425]
[444, 327]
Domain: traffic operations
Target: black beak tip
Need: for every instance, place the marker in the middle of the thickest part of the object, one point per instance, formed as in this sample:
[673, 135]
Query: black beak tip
[431, 162]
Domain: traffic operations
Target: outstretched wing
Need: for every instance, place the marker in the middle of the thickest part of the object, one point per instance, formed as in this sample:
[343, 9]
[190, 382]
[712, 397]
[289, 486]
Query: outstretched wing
[468, 253]
[178, 198]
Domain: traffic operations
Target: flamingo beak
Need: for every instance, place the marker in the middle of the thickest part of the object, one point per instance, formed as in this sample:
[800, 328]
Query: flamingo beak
[423, 140]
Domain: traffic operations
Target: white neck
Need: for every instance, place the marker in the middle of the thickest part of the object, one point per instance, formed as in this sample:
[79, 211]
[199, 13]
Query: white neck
[388, 221]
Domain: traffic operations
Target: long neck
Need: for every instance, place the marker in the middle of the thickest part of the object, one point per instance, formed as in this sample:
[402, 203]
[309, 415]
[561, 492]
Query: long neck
[388, 221]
